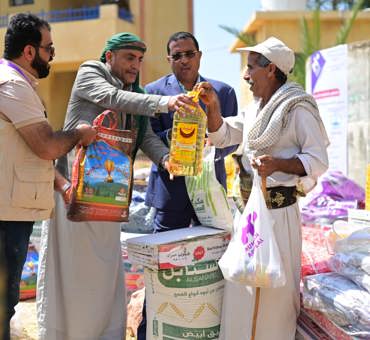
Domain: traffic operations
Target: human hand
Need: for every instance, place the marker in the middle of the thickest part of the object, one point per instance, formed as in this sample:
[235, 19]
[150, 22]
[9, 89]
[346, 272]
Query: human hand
[67, 196]
[62, 186]
[180, 101]
[167, 167]
[206, 93]
[165, 164]
[265, 165]
[87, 133]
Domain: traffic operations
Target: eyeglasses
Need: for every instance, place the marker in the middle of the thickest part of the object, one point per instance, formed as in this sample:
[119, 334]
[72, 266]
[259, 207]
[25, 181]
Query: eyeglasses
[49, 49]
[187, 54]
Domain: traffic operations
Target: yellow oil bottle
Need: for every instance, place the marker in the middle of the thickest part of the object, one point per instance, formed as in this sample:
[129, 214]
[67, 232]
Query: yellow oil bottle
[188, 135]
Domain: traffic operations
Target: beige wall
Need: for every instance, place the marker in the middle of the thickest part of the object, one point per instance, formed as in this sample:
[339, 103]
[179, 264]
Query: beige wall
[286, 26]
[56, 90]
[77, 41]
[158, 28]
[38, 6]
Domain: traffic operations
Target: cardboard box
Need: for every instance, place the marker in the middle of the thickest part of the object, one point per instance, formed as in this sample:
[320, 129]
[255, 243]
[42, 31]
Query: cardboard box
[178, 248]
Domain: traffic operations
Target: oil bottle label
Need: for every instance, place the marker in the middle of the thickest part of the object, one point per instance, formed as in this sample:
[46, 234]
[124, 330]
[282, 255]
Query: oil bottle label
[187, 133]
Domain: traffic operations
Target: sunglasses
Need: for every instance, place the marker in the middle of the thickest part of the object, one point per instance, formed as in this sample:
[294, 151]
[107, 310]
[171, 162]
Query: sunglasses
[187, 54]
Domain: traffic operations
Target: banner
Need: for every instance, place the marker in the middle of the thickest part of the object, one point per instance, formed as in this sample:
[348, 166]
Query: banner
[326, 80]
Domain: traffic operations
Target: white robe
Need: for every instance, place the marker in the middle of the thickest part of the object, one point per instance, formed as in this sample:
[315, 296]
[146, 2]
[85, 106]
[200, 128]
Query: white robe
[278, 307]
[80, 288]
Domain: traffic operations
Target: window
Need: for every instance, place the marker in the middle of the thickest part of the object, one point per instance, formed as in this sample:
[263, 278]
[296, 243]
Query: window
[21, 2]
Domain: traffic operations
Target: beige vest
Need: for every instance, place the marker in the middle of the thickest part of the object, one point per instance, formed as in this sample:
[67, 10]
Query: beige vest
[26, 181]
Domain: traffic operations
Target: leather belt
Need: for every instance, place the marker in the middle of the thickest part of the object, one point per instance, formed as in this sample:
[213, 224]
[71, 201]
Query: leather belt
[281, 197]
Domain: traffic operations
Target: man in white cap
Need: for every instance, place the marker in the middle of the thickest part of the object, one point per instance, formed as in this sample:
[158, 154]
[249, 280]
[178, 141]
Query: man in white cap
[284, 133]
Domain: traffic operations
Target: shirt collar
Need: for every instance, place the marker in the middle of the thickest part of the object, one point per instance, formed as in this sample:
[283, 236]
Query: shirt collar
[33, 80]
[182, 87]
[30, 78]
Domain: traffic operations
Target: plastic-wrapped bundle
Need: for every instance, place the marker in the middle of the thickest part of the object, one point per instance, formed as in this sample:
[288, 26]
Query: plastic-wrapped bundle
[341, 300]
[141, 216]
[358, 241]
[331, 198]
[315, 254]
[355, 266]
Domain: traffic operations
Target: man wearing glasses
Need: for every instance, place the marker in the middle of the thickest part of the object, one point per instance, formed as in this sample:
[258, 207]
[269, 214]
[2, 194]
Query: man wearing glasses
[28, 146]
[169, 197]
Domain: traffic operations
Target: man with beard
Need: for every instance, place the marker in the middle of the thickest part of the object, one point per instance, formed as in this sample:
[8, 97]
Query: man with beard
[28, 146]
[285, 134]
[80, 289]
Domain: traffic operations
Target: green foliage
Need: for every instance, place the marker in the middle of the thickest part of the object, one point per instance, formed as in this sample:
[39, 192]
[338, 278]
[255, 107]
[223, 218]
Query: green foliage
[343, 32]
[335, 5]
[310, 42]
[310, 37]
[246, 38]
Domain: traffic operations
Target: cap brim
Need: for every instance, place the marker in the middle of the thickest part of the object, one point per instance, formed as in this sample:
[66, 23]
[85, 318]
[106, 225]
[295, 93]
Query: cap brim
[248, 49]
[256, 49]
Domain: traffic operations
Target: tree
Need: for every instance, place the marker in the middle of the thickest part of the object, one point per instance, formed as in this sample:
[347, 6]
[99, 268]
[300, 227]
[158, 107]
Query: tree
[335, 5]
[246, 38]
[310, 38]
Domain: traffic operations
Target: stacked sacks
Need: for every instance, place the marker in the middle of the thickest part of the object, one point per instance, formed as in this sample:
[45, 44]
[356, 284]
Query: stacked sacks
[184, 285]
[352, 258]
[340, 300]
[344, 297]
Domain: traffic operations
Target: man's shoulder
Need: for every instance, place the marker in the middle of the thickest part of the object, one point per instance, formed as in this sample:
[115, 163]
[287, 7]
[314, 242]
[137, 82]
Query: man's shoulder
[92, 64]
[217, 84]
[9, 74]
[160, 83]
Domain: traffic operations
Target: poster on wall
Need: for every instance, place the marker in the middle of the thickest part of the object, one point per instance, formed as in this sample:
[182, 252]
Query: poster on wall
[326, 80]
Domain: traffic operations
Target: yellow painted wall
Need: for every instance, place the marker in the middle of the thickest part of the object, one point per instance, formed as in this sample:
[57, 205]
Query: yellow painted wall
[286, 26]
[158, 28]
[39, 5]
[77, 41]
[62, 4]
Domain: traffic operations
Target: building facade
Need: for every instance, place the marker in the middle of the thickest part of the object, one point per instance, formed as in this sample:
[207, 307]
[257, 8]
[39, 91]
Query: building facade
[286, 25]
[81, 27]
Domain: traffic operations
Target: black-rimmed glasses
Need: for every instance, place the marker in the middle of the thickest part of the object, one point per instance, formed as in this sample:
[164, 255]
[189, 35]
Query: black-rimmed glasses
[187, 54]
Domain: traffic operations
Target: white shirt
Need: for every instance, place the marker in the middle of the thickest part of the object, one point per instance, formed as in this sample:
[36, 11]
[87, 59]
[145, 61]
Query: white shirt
[301, 138]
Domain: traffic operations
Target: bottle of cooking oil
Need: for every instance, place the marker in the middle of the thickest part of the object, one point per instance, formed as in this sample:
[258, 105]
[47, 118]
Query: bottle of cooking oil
[188, 134]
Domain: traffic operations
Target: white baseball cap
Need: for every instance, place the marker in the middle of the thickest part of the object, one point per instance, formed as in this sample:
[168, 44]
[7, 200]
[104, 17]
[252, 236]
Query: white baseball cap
[275, 51]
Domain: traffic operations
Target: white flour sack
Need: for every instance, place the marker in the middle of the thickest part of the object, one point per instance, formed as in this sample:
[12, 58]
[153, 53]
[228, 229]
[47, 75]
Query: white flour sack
[184, 303]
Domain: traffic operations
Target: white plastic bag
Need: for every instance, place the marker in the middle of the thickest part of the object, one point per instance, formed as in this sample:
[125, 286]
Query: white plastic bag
[252, 257]
[208, 196]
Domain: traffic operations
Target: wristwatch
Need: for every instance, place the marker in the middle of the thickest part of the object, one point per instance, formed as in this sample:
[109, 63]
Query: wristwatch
[163, 160]
[65, 187]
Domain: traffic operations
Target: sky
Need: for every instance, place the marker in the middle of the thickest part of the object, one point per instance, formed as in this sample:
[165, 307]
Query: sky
[217, 62]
